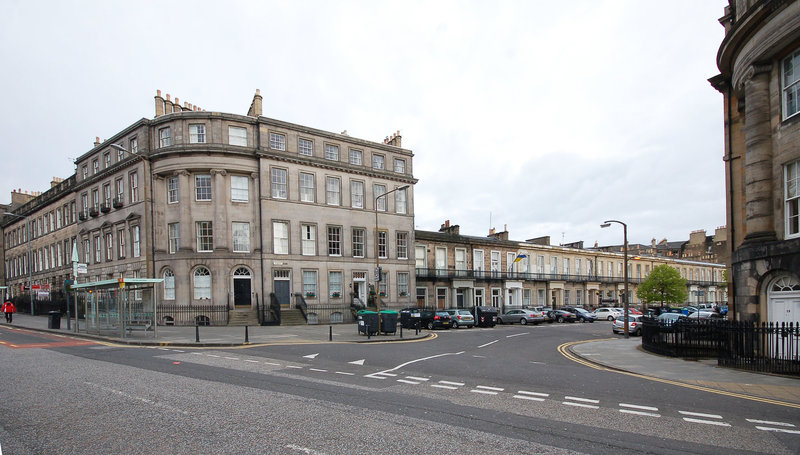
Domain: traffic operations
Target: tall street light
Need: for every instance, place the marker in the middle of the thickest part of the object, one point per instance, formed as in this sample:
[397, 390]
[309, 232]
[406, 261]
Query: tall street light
[378, 274]
[30, 256]
[606, 224]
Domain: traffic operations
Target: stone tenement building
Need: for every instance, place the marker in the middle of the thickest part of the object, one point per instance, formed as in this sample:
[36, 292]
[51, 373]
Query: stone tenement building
[700, 247]
[455, 270]
[759, 63]
[230, 209]
[227, 209]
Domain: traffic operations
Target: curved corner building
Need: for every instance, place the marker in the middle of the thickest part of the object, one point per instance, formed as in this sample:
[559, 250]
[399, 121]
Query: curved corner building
[759, 62]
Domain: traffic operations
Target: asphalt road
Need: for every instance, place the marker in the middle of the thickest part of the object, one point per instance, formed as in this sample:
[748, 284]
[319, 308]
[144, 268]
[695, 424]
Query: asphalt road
[500, 390]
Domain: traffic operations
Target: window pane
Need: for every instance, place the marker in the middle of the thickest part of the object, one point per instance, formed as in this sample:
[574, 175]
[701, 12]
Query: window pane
[332, 191]
[277, 141]
[357, 194]
[240, 188]
[237, 136]
[279, 181]
[280, 234]
[241, 237]
[331, 152]
[305, 147]
[307, 187]
[202, 185]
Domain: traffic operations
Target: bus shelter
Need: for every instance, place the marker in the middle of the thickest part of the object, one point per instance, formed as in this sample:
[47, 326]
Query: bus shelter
[120, 306]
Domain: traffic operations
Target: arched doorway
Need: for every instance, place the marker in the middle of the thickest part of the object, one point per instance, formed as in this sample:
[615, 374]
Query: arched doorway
[242, 288]
[783, 296]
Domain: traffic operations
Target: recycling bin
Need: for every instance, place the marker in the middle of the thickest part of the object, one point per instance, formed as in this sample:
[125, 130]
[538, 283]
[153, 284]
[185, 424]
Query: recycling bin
[485, 316]
[389, 321]
[367, 322]
[54, 320]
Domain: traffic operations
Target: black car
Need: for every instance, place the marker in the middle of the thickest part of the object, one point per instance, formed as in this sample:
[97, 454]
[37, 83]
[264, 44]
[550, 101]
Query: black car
[426, 318]
[563, 316]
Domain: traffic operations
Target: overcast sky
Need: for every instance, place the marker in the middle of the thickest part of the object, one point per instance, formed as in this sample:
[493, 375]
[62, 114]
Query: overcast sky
[548, 117]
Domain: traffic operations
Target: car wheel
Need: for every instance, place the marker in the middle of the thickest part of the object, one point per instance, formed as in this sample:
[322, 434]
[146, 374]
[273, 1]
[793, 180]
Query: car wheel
[455, 325]
[611, 318]
[582, 320]
[523, 321]
[560, 319]
[499, 321]
[430, 326]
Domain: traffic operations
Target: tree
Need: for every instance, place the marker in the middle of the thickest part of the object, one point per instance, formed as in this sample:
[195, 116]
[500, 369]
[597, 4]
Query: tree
[664, 284]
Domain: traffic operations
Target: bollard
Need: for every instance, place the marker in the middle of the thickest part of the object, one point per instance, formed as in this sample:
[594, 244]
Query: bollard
[196, 333]
[401, 331]
[417, 328]
[330, 333]
[246, 335]
[367, 326]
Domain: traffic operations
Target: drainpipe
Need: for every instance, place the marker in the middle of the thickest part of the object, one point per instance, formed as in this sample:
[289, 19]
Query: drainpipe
[260, 212]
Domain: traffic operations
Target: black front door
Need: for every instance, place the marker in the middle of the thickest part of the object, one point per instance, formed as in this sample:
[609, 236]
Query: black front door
[241, 292]
[282, 292]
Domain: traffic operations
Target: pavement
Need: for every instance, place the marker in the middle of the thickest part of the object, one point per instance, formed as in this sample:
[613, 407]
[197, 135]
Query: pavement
[621, 355]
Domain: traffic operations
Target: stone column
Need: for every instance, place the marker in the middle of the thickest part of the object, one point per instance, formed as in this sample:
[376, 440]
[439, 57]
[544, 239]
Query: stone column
[185, 198]
[758, 156]
[221, 201]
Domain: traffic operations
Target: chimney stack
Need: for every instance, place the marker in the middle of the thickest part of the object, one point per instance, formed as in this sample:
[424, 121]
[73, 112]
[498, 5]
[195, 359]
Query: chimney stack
[159, 104]
[255, 105]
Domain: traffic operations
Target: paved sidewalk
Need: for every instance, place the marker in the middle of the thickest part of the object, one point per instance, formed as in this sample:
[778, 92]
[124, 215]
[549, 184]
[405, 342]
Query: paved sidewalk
[617, 354]
[224, 336]
[628, 356]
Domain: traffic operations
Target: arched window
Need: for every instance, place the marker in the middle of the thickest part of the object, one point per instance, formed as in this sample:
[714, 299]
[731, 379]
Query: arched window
[169, 285]
[241, 272]
[202, 283]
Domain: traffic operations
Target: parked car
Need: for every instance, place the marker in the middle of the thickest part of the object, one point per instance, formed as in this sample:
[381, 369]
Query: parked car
[704, 315]
[631, 310]
[441, 320]
[607, 313]
[461, 318]
[670, 318]
[563, 316]
[688, 309]
[540, 310]
[582, 315]
[522, 316]
[549, 316]
[634, 325]
[427, 318]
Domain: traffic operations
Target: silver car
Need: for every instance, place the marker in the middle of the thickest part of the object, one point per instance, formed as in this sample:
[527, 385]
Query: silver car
[461, 318]
[521, 316]
[607, 313]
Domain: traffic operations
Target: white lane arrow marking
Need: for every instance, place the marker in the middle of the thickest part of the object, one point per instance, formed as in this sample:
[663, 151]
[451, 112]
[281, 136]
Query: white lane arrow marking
[311, 356]
[357, 362]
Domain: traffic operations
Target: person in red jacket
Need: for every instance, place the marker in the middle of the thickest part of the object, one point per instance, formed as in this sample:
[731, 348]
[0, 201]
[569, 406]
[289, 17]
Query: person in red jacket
[8, 309]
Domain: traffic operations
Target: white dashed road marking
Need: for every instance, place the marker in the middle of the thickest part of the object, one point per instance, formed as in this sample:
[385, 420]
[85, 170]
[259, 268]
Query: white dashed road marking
[581, 402]
[702, 421]
[774, 424]
[487, 390]
[487, 344]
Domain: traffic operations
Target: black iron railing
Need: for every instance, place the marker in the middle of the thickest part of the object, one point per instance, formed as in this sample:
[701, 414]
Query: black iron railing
[188, 315]
[765, 347]
[451, 273]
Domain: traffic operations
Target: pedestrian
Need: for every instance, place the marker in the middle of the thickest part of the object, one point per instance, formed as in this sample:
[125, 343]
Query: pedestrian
[8, 309]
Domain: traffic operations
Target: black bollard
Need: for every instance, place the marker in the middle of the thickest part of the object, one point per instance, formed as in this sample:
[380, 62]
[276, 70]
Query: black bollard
[330, 333]
[196, 333]
[246, 335]
[401, 331]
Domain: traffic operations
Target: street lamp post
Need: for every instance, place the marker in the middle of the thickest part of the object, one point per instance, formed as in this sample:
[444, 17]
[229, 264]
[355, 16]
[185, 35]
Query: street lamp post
[30, 256]
[606, 224]
[378, 274]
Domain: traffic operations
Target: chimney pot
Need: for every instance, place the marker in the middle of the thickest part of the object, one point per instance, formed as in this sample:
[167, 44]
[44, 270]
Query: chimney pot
[167, 96]
[158, 92]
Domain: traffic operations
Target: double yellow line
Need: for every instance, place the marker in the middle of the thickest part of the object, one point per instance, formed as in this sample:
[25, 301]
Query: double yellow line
[564, 350]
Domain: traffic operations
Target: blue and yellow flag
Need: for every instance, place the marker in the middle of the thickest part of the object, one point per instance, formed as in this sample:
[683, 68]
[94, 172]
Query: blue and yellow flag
[520, 257]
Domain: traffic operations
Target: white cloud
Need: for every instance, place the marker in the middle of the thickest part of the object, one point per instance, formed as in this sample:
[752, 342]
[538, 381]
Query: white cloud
[550, 117]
